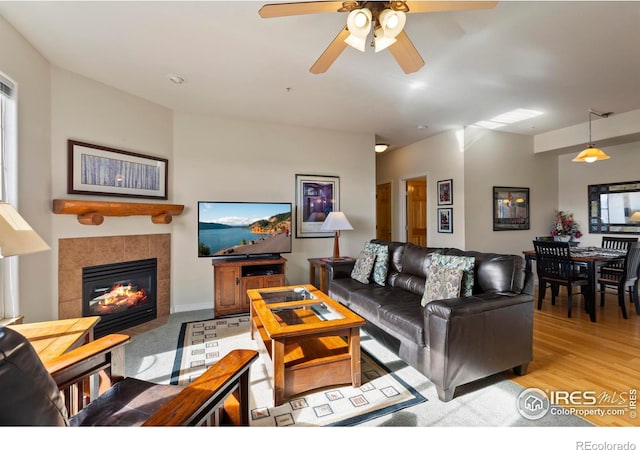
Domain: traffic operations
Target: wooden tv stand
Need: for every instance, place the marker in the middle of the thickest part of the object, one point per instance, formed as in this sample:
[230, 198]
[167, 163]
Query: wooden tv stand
[232, 278]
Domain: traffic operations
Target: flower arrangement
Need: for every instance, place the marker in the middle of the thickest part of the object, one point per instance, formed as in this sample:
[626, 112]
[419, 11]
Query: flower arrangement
[565, 225]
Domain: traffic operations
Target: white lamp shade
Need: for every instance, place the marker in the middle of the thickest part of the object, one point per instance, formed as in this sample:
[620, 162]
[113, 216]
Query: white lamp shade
[359, 26]
[392, 22]
[16, 235]
[336, 221]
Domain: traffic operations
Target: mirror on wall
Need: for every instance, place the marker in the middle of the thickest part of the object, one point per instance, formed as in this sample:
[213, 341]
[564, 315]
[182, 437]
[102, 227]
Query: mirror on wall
[614, 208]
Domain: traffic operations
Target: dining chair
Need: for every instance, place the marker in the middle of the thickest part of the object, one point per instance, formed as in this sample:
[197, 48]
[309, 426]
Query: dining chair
[615, 269]
[555, 268]
[626, 279]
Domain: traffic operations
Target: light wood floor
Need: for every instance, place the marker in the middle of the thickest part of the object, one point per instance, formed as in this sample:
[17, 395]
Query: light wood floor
[575, 354]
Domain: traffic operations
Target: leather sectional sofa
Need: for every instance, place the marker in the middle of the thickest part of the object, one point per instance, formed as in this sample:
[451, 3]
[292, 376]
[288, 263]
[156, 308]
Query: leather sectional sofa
[452, 341]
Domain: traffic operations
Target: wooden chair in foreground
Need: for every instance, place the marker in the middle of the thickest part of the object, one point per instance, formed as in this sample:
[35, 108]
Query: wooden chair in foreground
[33, 394]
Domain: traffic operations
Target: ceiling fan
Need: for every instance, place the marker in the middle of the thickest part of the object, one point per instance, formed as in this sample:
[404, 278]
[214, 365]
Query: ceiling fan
[387, 20]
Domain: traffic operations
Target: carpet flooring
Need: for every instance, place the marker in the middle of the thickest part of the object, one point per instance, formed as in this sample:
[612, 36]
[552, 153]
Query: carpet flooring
[487, 403]
[202, 343]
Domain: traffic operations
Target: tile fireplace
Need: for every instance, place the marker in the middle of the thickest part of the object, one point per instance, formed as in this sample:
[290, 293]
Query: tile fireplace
[76, 254]
[122, 294]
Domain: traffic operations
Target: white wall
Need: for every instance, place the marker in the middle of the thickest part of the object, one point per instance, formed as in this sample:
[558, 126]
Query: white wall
[490, 158]
[574, 178]
[222, 159]
[438, 158]
[24, 65]
[494, 158]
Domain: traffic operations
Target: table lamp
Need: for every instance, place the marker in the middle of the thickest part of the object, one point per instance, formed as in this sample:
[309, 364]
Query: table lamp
[336, 221]
[16, 235]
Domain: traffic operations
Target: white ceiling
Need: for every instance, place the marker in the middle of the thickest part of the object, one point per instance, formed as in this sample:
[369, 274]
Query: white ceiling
[558, 57]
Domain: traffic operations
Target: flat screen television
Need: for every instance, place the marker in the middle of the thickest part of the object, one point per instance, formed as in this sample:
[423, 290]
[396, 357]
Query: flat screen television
[243, 229]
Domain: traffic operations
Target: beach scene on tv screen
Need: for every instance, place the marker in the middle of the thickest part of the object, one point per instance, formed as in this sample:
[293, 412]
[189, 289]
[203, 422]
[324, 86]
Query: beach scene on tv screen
[229, 229]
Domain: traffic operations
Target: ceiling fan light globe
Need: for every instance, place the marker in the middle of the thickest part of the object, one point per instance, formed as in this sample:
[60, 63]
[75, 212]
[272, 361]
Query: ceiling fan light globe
[359, 22]
[392, 22]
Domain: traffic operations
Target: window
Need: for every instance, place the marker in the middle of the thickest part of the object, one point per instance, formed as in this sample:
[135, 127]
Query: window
[8, 190]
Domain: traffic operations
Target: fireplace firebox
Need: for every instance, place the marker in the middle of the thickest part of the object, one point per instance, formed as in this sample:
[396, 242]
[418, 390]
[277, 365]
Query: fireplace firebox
[122, 294]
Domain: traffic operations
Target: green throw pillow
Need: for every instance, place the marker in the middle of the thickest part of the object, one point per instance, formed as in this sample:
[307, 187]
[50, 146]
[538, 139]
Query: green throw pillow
[442, 282]
[466, 263]
[363, 266]
[381, 264]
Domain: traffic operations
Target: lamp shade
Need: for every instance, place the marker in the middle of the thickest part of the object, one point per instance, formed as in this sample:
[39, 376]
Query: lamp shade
[336, 221]
[16, 235]
[590, 154]
[359, 26]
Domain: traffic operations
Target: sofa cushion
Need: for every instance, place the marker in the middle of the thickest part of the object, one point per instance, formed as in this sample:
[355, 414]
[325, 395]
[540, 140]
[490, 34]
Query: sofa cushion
[363, 266]
[381, 263]
[442, 283]
[465, 263]
[404, 319]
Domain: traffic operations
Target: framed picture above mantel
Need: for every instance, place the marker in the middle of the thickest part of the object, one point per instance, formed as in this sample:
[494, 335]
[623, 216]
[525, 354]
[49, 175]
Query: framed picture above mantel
[99, 170]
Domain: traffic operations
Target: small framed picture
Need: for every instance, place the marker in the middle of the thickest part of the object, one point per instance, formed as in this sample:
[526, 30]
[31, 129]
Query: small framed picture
[316, 197]
[445, 192]
[445, 220]
[510, 208]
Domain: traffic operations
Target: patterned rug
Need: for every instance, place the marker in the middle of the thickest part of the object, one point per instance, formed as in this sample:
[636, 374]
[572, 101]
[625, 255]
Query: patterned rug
[382, 392]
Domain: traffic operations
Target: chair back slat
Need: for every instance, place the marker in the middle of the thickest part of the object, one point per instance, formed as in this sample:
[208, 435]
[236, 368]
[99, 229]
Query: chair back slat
[553, 259]
[618, 243]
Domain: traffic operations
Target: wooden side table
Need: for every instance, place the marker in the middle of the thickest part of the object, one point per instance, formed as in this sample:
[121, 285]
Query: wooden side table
[318, 264]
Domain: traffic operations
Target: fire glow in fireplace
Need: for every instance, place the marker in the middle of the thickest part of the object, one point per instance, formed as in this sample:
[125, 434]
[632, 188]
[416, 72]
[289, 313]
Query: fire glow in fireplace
[122, 294]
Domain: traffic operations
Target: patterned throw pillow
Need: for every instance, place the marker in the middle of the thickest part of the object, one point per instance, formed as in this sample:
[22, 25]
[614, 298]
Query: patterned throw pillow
[465, 263]
[442, 282]
[381, 264]
[363, 266]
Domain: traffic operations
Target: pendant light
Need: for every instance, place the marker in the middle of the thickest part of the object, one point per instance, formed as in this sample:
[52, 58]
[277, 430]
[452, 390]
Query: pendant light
[592, 153]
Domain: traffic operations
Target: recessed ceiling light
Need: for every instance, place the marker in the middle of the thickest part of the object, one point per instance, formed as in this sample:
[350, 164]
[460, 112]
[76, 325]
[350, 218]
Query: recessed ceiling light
[423, 127]
[176, 79]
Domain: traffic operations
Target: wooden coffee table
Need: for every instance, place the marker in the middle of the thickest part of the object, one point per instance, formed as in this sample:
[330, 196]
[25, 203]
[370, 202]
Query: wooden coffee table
[311, 342]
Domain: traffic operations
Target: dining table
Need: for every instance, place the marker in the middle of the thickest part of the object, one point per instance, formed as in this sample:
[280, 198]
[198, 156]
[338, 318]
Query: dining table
[591, 258]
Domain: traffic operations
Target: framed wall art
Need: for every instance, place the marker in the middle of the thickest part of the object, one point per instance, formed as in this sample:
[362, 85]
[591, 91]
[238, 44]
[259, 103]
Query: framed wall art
[510, 208]
[316, 197]
[445, 192]
[99, 170]
[445, 220]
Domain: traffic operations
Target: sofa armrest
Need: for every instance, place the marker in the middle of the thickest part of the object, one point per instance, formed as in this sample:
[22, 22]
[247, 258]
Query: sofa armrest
[339, 269]
[474, 337]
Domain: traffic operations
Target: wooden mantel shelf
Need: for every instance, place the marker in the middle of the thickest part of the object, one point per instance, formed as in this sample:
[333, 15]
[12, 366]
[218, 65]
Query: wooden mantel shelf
[93, 212]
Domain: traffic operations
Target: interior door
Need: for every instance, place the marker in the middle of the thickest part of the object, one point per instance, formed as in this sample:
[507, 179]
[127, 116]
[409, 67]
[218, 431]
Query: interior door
[383, 211]
[417, 211]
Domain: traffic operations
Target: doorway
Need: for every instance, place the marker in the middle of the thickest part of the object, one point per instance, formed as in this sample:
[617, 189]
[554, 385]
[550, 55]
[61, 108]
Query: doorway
[417, 211]
[383, 211]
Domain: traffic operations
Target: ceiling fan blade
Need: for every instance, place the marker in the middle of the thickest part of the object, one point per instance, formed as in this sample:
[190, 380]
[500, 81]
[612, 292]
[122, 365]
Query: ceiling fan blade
[422, 7]
[298, 8]
[406, 54]
[331, 53]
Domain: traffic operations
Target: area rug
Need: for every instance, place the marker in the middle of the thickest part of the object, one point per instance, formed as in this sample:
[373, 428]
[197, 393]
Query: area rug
[382, 392]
